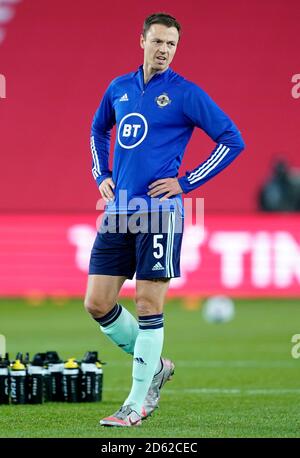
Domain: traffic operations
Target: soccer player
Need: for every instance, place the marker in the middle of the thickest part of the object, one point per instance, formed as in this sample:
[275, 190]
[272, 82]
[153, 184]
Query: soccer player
[155, 111]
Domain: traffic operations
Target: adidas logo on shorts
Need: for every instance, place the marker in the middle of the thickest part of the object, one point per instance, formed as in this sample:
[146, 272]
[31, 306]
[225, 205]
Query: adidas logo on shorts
[158, 266]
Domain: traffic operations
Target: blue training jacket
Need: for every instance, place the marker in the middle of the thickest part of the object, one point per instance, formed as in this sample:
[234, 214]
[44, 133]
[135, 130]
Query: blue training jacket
[154, 123]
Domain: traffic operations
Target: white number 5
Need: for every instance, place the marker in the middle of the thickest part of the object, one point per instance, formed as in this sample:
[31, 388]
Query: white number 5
[157, 245]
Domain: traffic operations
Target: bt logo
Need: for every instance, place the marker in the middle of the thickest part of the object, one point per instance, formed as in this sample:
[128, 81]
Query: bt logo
[132, 131]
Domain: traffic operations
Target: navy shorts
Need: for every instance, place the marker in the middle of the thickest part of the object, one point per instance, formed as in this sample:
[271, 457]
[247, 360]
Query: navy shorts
[148, 245]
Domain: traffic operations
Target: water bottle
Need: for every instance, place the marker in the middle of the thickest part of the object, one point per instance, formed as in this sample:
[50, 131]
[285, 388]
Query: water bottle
[91, 378]
[70, 381]
[26, 362]
[53, 377]
[47, 383]
[4, 379]
[18, 381]
[35, 379]
[88, 377]
[99, 381]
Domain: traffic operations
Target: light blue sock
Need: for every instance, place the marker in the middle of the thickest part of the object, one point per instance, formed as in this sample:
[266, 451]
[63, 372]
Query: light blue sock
[121, 327]
[146, 359]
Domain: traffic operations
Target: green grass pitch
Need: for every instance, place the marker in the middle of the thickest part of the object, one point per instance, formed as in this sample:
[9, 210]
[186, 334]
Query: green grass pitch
[236, 379]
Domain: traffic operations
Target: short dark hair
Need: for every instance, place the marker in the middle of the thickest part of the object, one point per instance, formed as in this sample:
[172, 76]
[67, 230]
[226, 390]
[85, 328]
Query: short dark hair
[160, 18]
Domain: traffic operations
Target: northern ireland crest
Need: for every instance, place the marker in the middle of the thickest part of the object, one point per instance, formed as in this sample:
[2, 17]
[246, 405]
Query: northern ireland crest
[163, 100]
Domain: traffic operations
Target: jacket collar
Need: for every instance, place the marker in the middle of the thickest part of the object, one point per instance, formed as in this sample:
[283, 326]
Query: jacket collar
[162, 75]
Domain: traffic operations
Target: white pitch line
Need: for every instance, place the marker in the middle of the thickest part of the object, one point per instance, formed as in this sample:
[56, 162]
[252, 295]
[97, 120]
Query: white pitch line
[246, 364]
[223, 364]
[230, 391]
[247, 392]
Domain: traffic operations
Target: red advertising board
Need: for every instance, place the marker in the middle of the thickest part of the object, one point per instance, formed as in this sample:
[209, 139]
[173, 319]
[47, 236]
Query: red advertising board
[239, 255]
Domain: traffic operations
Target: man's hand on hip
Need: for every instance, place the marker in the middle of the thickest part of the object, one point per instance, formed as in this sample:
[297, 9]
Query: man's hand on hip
[170, 186]
[106, 189]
